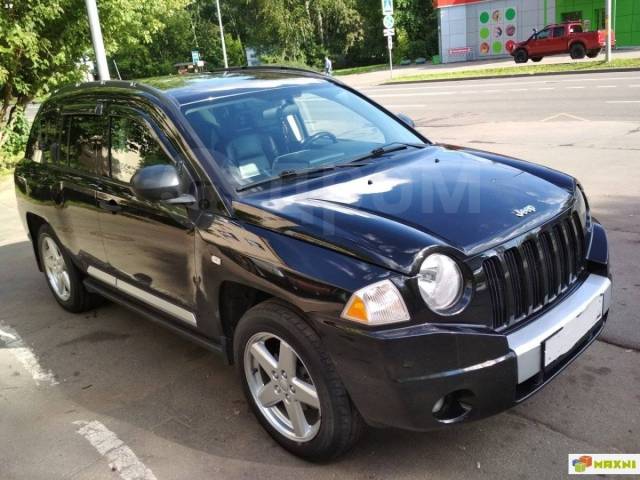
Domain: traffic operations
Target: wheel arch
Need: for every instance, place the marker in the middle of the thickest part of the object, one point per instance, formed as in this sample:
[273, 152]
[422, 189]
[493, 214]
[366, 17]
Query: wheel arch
[236, 299]
[34, 223]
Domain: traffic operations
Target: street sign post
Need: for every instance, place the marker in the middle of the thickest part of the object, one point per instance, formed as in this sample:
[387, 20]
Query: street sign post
[389, 22]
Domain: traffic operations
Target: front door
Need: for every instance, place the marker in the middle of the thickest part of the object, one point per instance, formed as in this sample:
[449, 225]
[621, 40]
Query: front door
[540, 46]
[150, 245]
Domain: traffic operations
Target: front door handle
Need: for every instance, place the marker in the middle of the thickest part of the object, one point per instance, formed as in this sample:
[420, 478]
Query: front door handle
[110, 206]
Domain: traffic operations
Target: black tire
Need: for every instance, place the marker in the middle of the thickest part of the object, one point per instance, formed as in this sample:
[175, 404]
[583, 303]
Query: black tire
[340, 423]
[536, 59]
[79, 300]
[577, 51]
[521, 56]
[593, 53]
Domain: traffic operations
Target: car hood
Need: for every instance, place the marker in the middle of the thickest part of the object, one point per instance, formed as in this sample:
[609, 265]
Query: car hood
[391, 210]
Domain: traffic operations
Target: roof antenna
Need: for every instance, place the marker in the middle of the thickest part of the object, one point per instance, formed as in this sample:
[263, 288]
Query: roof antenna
[117, 71]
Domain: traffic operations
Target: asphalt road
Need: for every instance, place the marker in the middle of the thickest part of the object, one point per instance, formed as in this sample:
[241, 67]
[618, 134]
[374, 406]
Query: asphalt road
[107, 395]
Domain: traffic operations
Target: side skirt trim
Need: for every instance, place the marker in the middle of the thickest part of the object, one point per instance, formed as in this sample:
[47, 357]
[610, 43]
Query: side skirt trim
[144, 296]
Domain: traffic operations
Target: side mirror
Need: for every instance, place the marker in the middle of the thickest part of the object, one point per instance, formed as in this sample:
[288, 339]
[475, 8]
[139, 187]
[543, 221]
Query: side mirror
[160, 183]
[406, 119]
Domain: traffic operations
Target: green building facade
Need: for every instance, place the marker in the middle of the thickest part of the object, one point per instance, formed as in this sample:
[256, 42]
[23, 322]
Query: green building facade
[625, 18]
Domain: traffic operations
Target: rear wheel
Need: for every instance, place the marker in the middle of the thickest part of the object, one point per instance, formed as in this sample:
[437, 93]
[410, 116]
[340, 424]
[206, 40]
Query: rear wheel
[291, 384]
[593, 53]
[63, 278]
[521, 56]
[536, 59]
[577, 51]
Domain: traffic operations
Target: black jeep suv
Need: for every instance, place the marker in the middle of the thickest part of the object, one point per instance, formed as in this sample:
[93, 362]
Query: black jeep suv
[351, 269]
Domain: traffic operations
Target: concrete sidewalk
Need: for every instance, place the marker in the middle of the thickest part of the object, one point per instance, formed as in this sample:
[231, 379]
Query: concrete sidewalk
[360, 80]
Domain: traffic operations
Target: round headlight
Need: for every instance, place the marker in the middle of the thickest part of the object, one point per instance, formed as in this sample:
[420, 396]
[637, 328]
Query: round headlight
[440, 282]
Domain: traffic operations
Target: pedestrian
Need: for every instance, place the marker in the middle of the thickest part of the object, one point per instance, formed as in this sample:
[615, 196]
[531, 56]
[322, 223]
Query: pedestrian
[328, 66]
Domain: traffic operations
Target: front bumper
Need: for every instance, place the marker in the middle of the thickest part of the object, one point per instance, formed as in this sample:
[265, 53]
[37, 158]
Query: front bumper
[396, 377]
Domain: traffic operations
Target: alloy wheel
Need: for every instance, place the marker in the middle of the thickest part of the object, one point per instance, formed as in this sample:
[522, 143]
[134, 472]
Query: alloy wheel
[56, 269]
[282, 387]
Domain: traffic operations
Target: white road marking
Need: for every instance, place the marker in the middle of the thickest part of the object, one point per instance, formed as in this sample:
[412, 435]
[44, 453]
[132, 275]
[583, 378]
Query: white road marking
[567, 115]
[606, 86]
[409, 105]
[470, 83]
[519, 90]
[121, 458]
[575, 87]
[25, 356]
[546, 88]
[634, 86]
[623, 101]
[416, 94]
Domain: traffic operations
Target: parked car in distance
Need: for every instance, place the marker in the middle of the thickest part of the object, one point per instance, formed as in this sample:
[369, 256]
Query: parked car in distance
[561, 38]
[354, 271]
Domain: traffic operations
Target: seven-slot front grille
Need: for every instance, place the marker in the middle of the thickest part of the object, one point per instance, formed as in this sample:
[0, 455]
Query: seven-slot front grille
[525, 278]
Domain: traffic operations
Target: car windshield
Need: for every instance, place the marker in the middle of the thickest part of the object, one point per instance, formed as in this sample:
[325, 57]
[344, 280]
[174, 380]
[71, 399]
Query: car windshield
[262, 134]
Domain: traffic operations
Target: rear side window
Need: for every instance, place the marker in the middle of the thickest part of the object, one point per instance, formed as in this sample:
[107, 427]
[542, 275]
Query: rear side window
[85, 141]
[132, 147]
[44, 146]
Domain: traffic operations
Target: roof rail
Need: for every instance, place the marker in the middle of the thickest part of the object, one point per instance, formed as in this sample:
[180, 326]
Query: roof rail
[266, 67]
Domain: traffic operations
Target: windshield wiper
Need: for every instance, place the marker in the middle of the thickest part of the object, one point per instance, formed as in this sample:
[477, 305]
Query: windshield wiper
[290, 174]
[388, 148]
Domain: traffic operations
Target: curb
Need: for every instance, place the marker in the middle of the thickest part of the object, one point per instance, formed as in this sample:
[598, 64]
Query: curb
[515, 75]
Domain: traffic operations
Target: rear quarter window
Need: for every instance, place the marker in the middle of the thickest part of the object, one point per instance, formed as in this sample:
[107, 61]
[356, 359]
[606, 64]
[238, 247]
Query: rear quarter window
[44, 140]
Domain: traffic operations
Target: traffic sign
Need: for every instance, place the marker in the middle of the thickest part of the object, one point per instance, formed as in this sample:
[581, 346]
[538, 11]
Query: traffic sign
[390, 42]
[195, 56]
[388, 21]
[387, 7]
[389, 32]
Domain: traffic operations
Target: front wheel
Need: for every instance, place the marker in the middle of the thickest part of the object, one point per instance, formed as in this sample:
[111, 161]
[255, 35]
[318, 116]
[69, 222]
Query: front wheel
[291, 384]
[521, 56]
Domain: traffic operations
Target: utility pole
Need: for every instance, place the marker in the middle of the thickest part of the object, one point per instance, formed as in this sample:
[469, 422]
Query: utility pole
[607, 20]
[96, 38]
[224, 47]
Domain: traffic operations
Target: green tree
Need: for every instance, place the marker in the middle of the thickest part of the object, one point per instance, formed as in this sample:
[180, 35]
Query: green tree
[42, 42]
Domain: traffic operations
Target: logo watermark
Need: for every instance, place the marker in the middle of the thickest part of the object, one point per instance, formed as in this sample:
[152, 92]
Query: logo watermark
[604, 464]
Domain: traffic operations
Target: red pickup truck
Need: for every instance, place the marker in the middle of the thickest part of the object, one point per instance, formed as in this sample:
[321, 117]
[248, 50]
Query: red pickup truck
[561, 38]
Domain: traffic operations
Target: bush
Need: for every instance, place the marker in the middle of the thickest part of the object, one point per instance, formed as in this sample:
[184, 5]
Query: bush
[13, 148]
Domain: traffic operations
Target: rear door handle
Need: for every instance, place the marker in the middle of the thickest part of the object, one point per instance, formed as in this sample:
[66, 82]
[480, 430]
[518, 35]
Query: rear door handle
[110, 206]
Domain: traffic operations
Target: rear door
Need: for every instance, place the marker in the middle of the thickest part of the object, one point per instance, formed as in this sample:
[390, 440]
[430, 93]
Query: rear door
[559, 39]
[81, 147]
[149, 245]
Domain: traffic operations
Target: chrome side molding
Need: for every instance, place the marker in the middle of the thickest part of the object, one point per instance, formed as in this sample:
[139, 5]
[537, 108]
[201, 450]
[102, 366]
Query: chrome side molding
[144, 296]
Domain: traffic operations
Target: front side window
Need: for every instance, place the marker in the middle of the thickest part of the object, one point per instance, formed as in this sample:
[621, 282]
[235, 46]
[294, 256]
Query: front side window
[256, 136]
[558, 32]
[544, 34]
[133, 147]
